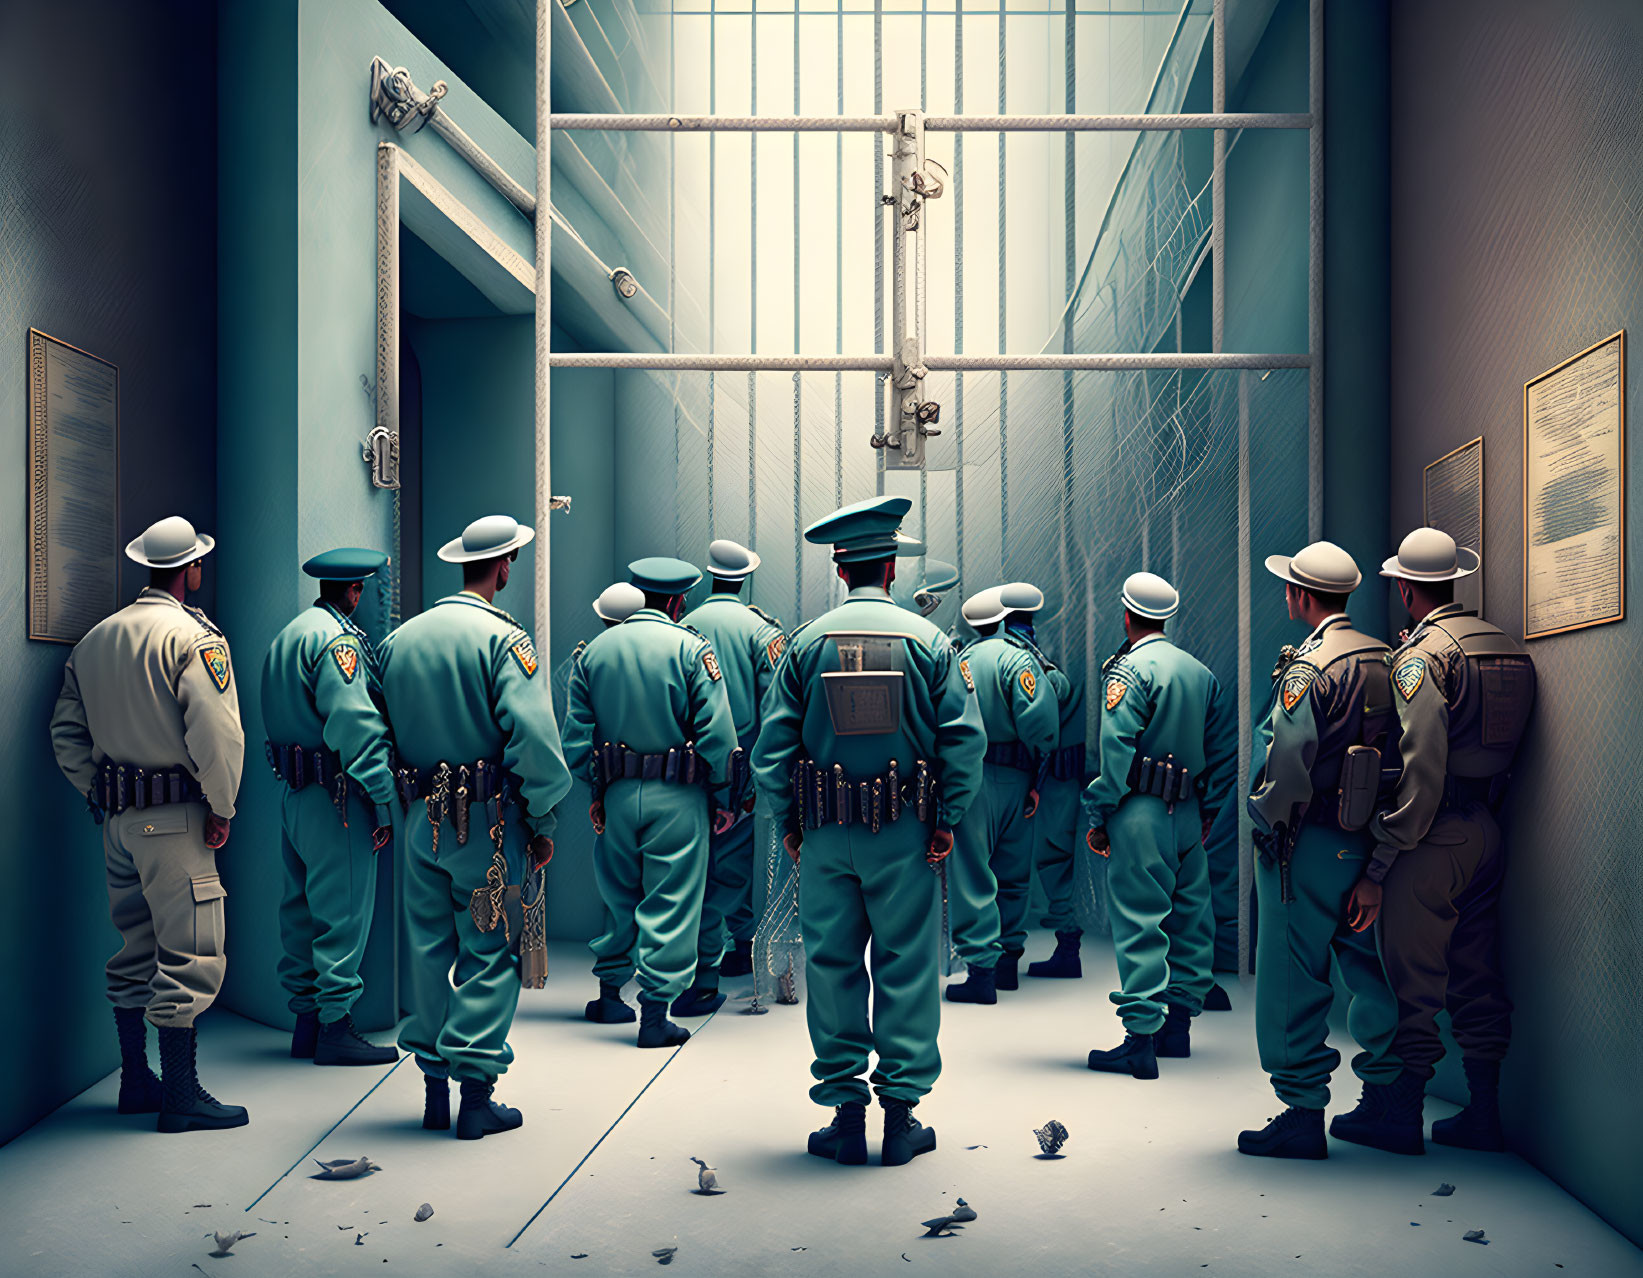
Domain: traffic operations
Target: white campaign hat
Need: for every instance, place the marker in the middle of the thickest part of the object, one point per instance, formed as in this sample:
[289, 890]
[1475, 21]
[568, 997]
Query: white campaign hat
[1321, 566]
[985, 607]
[487, 538]
[730, 560]
[618, 602]
[1148, 595]
[1021, 596]
[1428, 554]
[170, 543]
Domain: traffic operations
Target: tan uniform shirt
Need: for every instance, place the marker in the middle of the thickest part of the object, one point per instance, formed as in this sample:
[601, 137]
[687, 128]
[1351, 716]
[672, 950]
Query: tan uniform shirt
[152, 686]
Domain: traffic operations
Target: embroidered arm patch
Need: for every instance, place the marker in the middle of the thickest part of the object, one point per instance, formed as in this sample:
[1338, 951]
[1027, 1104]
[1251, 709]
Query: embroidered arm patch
[1029, 683]
[346, 656]
[1115, 692]
[1296, 683]
[215, 657]
[711, 664]
[523, 651]
[969, 679]
[774, 649]
[1409, 676]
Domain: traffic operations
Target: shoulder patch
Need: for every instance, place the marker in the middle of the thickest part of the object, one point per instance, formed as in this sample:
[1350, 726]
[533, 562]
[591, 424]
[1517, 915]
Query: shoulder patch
[1029, 683]
[346, 654]
[1115, 692]
[1296, 681]
[774, 649]
[1408, 676]
[710, 663]
[969, 679]
[523, 651]
[215, 657]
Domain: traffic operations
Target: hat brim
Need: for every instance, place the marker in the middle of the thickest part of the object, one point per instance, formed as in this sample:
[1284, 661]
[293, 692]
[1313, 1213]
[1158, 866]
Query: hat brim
[452, 552]
[203, 546]
[1283, 567]
[1467, 562]
[1151, 614]
[602, 614]
[735, 574]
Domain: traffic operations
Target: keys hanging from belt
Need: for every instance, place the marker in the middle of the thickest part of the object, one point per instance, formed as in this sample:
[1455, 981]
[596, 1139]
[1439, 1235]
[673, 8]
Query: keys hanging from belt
[461, 798]
[439, 798]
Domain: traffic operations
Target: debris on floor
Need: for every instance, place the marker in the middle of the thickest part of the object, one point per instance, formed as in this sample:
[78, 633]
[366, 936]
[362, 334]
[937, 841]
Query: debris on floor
[423, 1212]
[1475, 1235]
[943, 1226]
[706, 1182]
[1051, 1137]
[1443, 1190]
[359, 1239]
[664, 1255]
[344, 1168]
[225, 1242]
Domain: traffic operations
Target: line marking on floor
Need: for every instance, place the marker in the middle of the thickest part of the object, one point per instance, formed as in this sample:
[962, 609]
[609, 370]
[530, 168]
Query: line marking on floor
[293, 1167]
[672, 1056]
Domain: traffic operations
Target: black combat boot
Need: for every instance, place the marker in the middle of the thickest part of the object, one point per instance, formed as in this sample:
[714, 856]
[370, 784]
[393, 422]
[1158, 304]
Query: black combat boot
[436, 1104]
[1064, 963]
[341, 1044]
[905, 1138]
[655, 1030]
[977, 987]
[1400, 1128]
[140, 1090]
[608, 1008]
[305, 1036]
[1175, 1038]
[739, 962]
[1295, 1133]
[1217, 1000]
[479, 1115]
[1363, 1122]
[1478, 1125]
[844, 1140]
[1134, 1056]
[703, 997]
[1007, 975]
[185, 1106]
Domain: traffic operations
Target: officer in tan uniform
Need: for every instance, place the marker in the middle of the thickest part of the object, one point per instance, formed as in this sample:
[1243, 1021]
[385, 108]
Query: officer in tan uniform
[1464, 692]
[147, 727]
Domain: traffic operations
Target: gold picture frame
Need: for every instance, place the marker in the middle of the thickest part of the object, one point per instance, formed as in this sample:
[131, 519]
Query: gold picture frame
[1468, 590]
[73, 489]
[1584, 427]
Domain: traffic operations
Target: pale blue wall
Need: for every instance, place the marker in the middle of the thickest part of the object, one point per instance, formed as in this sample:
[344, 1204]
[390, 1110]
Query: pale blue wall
[106, 241]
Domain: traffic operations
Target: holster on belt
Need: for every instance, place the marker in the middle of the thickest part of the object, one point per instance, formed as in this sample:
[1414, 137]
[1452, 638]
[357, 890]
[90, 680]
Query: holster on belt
[461, 797]
[1161, 779]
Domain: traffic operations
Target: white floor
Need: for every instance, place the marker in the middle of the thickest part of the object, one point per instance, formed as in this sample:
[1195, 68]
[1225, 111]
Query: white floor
[599, 1177]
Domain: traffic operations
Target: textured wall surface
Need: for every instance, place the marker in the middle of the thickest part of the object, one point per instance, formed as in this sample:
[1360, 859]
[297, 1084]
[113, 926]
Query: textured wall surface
[106, 241]
[1517, 240]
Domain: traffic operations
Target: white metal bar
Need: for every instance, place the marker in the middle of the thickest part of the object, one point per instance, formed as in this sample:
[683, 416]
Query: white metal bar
[1218, 186]
[705, 363]
[871, 363]
[1315, 280]
[482, 163]
[544, 324]
[1111, 363]
[1246, 862]
[933, 124]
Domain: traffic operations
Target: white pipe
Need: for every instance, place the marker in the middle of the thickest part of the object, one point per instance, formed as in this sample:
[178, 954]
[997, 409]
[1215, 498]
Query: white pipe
[544, 324]
[1315, 282]
[704, 363]
[932, 124]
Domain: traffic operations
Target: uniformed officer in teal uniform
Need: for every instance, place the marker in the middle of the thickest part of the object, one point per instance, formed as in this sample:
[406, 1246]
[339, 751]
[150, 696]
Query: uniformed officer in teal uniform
[330, 747]
[1318, 770]
[648, 724]
[748, 643]
[991, 874]
[1059, 820]
[616, 603]
[479, 761]
[869, 756]
[1163, 770]
[1464, 693]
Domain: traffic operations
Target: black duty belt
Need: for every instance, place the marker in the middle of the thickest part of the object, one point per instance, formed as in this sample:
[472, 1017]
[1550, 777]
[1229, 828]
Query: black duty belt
[1011, 754]
[827, 796]
[452, 789]
[613, 762]
[124, 785]
[1161, 778]
[303, 766]
[1459, 791]
[1067, 763]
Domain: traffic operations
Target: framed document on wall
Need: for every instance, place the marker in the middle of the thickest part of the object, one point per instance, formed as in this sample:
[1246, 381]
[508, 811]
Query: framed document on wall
[1574, 492]
[74, 491]
[1452, 501]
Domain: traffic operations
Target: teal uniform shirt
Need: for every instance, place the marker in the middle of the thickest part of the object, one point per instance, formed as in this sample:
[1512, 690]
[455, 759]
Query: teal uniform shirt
[462, 684]
[321, 689]
[1159, 702]
[651, 685]
[1319, 704]
[868, 898]
[991, 874]
[1059, 822]
[748, 644]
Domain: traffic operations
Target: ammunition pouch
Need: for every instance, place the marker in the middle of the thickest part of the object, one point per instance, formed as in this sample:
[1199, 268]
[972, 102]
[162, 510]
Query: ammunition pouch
[1360, 787]
[680, 765]
[1011, 754]
[121, 786]
[302, 766]
[826, 796]
[1161, 779]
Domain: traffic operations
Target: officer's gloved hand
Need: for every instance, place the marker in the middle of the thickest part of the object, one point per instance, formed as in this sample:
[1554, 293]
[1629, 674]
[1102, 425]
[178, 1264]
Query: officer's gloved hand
[596, 814]
[1097, 842]
[790, 844]
[216, 830]
[381, 837]
[722, 820]
[541, 850]
[941, 845]
[1365, 906]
